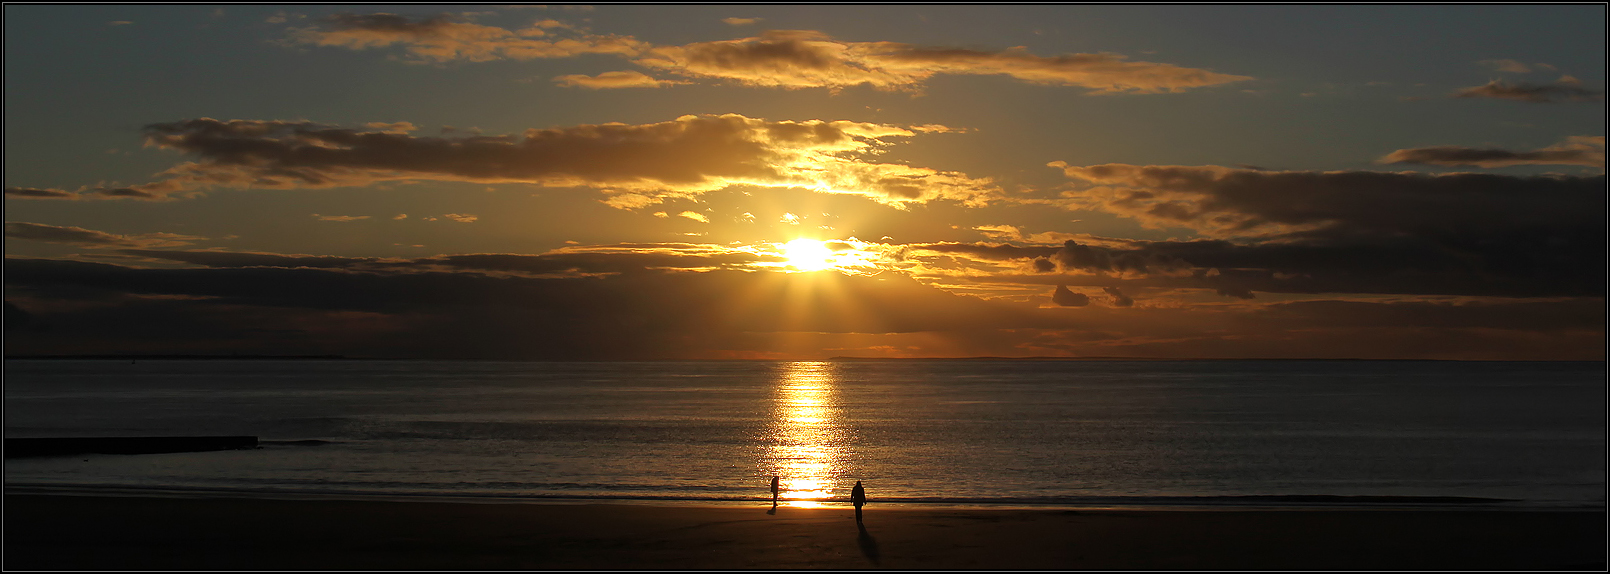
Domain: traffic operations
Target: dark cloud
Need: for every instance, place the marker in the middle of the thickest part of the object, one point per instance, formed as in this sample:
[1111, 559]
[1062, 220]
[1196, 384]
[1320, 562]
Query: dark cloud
[1585, 315]
[1062, 296]
[572, 262]
[1073, 255]
[1565, 90]
[17, 319]
[1119, 299]
[39, 193]
[1231, 202]
[1355, 232]
[57, 306]
[997, 252]
[1361, 266]
[54, 234]
[1578, 150]
[647, 314]
[636, 164]
[91, 238]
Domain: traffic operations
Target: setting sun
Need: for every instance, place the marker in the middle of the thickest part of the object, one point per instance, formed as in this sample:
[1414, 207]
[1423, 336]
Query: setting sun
[706, 286]
[808, 255]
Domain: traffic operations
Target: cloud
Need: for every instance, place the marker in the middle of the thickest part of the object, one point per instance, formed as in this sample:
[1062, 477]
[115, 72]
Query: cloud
[568, 261]
[1576, 150]
[811, 59]
[1507, 65]
[339, 217]
[1313, 232]
[1119, 299]
[613, 80]
[392, 127]
[637, 165]
[776, 58]
[39, 193]
[645, 314]
[1013, 233]
[93, 239]
[696, 216]
[448, 37]
[1228, 202]
[1566, 89]
[740, 21]
[1062, 296]
[462, 217]
[454, 306]
[940, 129]
[1007, 232]
[119, 23]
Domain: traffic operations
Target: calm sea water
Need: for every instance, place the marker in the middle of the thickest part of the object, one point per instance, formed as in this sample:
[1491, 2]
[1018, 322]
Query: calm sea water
[952, 432]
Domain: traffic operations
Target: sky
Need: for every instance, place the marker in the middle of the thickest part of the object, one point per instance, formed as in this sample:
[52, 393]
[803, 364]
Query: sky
[801, 182]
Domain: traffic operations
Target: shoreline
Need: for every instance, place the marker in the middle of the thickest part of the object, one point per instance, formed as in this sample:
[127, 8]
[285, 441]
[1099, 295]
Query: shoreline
[1195, 503]
[232, 533]
[837, 359]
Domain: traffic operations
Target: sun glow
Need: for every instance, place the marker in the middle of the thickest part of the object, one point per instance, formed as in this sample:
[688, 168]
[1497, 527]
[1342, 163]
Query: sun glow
[808, 255]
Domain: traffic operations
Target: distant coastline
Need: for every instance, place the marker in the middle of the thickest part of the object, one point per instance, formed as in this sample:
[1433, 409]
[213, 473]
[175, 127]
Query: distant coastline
[883, 359]
[265, 357]
[180, 357]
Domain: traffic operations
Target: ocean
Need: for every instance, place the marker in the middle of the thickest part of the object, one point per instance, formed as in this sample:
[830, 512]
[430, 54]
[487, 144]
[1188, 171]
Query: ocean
[939, 432]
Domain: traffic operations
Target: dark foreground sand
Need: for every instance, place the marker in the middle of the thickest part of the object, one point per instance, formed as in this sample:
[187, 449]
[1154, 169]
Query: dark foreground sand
[130, 533]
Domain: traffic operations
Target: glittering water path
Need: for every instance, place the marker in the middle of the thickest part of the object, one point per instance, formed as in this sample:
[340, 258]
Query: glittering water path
[949, 432]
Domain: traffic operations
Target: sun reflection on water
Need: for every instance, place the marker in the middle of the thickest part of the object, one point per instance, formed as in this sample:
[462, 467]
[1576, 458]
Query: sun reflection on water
[805, 445]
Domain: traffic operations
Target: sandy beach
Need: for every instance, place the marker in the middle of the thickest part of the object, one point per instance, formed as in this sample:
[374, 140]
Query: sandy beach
[50, 532]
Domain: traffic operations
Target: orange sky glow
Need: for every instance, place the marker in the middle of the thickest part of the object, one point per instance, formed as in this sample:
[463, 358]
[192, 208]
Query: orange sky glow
[793, 183]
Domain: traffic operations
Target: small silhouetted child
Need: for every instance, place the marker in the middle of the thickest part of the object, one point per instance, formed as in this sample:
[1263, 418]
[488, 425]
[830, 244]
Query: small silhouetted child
[858, 498]
[775, 490]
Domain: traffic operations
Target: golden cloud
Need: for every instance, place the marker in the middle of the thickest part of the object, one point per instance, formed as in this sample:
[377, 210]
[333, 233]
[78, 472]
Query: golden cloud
[613, 80]
[635, 165]
[811, 59]
[445, 38]
[775, 58]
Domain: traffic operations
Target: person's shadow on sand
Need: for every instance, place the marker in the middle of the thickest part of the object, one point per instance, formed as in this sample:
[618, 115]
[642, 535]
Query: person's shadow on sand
[773, 508]
[869, 545]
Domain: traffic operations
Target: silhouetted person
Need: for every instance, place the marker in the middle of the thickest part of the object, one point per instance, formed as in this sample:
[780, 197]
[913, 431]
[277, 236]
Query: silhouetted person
[775, 490]
[858, 498]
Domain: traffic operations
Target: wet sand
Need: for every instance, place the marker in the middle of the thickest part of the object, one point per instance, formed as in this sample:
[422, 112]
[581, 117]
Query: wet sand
[51, 532]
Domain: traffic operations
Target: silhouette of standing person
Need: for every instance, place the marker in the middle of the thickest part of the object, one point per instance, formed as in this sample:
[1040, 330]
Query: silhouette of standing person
[775, 490]
[858, 498]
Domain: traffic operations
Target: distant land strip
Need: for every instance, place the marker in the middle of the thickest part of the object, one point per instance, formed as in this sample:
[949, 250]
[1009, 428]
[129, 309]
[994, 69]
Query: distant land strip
[245, 357]
[182, 357]
[855, 359]
[37, 447]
